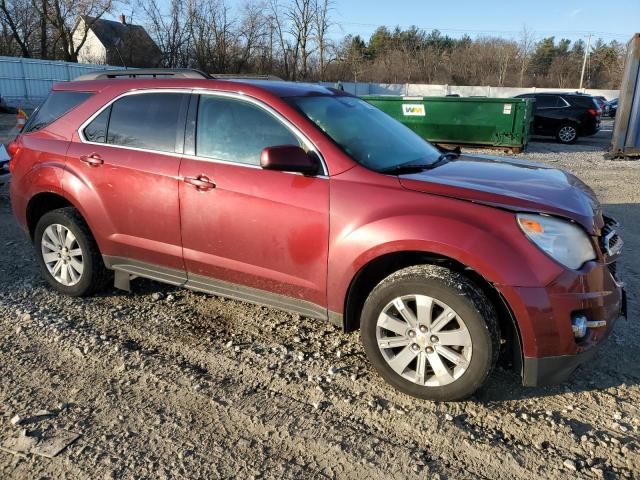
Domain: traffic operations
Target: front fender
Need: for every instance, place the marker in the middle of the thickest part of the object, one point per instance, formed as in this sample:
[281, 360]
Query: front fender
[480, 237]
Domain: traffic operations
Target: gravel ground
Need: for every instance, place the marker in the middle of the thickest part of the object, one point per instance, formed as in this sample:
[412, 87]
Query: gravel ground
[168, 383]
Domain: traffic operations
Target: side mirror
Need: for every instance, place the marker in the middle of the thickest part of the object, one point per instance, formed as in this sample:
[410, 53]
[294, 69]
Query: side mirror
[289, 158]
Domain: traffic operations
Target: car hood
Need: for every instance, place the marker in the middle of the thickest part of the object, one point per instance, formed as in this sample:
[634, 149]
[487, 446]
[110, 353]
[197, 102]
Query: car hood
[511, 184]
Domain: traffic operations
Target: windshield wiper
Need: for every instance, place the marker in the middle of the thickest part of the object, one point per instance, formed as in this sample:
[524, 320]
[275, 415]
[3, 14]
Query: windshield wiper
[408, 168]
[445, 155]
[418, 167]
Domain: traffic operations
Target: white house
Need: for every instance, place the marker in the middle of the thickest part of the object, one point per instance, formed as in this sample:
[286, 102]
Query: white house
[111, 42]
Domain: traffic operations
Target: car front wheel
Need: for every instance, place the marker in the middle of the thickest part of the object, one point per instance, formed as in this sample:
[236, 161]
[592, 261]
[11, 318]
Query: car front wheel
[430, 332]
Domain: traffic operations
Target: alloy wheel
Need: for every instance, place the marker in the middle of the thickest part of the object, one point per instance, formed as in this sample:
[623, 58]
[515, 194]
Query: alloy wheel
[567, 133]
[424, 340]
[62, 254]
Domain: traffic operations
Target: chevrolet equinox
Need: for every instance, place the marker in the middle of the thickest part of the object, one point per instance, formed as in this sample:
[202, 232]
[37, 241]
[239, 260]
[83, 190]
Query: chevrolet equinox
[309, 199]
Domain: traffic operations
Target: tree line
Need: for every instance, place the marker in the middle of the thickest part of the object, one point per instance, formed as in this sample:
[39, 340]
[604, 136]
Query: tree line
[291, 39]
[416, 56]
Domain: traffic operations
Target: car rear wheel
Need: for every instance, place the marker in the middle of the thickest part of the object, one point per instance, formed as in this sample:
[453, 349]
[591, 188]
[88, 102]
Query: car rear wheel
[68, 255]
[430, 333]
[567, 133]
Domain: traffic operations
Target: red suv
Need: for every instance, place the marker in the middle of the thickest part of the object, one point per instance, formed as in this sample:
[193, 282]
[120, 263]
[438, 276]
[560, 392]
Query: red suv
[311, 200]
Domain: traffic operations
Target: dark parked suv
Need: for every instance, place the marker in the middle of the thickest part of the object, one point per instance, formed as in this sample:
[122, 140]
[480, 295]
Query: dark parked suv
[311, 200]
[565, 116]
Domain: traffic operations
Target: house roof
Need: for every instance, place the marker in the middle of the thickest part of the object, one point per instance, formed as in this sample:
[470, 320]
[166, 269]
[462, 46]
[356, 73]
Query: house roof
[114, 34]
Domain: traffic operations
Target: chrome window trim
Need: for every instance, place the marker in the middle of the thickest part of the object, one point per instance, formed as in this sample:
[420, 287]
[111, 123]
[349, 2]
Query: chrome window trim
[205, 91]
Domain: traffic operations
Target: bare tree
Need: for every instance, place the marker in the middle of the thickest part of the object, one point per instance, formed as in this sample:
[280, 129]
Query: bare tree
[525, 48]
[301, 17]
[252, 35]
[64, 16]
[170, 30]
[322, 23]
[212, 34]
[42, 7]
[507, 54]
[279, 26]
[21, 21]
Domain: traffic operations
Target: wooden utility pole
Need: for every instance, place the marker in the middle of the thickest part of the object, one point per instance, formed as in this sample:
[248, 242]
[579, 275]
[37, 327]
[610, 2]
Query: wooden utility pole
[584, 60]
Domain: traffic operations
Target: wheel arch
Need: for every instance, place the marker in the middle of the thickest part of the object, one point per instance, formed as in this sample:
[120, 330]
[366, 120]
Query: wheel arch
[576, 122]
[380, 267]
[42, 203]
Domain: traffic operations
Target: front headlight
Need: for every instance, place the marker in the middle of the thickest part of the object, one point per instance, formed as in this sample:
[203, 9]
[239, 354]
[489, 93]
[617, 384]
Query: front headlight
[562, 240]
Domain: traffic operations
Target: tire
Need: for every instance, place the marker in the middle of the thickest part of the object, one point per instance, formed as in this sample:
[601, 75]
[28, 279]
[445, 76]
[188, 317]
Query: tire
[76, 238]
[567, 133]
[472, 323]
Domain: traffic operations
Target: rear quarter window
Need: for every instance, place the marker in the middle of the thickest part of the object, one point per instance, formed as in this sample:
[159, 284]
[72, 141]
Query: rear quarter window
[583, 101]
[54, 107]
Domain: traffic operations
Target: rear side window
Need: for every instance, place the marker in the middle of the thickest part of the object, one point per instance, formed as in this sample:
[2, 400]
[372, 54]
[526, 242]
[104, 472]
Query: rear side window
[585, 101]
[148, 121]
[56, 105]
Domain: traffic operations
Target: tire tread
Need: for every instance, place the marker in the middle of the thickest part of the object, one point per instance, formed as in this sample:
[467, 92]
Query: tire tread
[100, 275]
[461, 284]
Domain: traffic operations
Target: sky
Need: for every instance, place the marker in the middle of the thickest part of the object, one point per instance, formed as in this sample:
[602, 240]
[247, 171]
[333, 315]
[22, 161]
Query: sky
[573, 19]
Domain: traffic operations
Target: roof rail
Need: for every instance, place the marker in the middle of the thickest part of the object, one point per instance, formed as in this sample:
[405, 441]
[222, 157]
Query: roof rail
[244, 76]
[144, 72]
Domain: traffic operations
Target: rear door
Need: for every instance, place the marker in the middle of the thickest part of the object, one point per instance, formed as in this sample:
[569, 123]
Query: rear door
[549, 111]
[247, 232]
[125, 168]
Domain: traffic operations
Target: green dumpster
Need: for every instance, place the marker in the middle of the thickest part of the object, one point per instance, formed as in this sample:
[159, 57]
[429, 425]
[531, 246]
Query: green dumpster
[502, 123]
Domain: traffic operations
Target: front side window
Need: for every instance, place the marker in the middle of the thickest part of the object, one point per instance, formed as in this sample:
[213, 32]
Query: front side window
[148, 121]
[237, 131]
[56, 105]
[368, 135]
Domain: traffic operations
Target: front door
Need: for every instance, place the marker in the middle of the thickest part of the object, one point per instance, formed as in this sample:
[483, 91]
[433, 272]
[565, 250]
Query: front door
[128, 158]
[251, 233]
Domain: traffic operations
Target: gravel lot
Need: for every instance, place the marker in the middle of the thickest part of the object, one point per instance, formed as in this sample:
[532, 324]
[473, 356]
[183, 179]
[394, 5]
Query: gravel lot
[168, 383]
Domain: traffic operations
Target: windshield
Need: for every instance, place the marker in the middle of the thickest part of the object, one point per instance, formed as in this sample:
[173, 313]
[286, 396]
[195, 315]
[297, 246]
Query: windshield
[372, 138]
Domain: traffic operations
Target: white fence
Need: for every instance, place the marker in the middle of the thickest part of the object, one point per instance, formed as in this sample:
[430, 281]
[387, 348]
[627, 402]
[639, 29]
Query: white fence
[25, 82]
[424, 90]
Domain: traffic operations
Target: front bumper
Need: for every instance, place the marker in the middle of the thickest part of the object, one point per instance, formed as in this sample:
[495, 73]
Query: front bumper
[552, 370]
[550, 351]
[537, 372]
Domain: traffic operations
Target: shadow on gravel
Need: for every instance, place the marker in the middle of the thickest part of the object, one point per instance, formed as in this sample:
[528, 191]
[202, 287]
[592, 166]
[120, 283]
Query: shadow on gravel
[551, 145]
[506, 385]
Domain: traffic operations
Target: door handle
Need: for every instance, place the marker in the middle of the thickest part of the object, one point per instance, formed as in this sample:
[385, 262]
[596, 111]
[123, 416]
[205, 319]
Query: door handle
[201, 182]
[93, 159]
